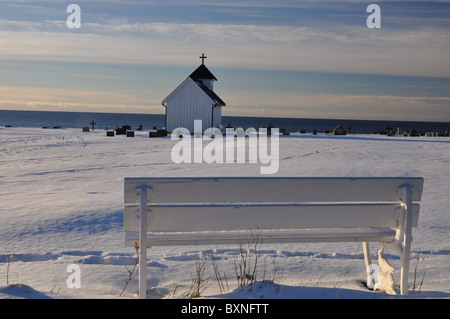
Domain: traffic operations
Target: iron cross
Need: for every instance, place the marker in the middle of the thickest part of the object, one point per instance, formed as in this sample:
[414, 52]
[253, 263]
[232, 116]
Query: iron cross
[203, 57]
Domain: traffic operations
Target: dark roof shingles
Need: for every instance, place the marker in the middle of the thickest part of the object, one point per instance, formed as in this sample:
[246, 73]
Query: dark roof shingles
[202, 73]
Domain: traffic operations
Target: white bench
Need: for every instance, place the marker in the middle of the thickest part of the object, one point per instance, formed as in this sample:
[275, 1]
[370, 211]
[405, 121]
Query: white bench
[201, 211]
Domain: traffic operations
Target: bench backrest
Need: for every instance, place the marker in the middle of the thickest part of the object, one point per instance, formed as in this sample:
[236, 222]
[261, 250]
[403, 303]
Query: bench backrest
[215, 204]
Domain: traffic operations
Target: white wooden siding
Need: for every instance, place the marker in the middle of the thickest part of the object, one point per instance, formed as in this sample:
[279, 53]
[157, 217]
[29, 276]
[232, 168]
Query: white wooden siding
[188, 103]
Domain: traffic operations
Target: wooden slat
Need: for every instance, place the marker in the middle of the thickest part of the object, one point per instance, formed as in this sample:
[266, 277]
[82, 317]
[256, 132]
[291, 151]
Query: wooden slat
[168, 218]
[270, 189]
[266, 237]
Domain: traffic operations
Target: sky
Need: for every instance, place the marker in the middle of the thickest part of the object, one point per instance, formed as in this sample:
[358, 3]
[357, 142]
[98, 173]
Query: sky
[284, 58]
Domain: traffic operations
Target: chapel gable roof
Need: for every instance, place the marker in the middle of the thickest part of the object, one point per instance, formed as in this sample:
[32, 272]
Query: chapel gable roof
[213, 96]
[202, 73]
[198, 76]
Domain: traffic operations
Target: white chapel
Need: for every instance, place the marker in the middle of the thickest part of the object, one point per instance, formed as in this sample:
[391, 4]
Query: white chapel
[194, 99]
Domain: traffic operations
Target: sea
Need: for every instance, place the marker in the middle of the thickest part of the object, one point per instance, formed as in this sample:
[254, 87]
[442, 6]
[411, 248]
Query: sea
[59, 120]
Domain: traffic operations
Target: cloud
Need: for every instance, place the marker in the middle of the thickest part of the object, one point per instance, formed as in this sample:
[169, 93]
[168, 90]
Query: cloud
[270, 104]
[374, 107]
[50, 99]
[348, 50]
[111, 37]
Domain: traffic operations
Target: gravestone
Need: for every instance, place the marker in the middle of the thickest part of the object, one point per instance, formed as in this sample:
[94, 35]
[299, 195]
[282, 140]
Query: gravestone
[85, 129]
[120, 131]
[269, 129]
[413, 132]
[161, 133]
[123, 130]
[339, 130]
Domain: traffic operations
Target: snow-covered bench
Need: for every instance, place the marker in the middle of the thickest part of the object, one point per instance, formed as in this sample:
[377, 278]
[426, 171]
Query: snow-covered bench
[210, 211]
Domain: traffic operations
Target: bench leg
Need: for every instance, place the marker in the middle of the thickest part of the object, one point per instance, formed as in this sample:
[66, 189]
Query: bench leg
[143, 245]
[405, 269]
[406, 197]
[367, 260]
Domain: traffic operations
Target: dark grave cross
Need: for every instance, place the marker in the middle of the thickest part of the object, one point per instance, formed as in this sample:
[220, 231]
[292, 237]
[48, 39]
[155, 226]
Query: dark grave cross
[93, 124]
[203, 57]
[389, 129]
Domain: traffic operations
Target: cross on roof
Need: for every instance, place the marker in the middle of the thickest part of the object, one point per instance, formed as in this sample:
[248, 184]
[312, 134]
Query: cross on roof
[203, 57]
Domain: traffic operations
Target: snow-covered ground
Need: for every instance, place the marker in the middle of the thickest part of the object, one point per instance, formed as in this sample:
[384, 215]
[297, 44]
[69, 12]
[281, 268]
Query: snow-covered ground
[61, 203]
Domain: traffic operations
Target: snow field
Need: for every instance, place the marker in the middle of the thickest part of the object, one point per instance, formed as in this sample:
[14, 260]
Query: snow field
[62, 203]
